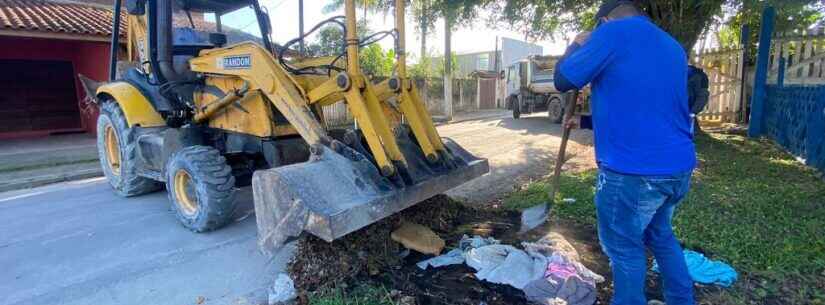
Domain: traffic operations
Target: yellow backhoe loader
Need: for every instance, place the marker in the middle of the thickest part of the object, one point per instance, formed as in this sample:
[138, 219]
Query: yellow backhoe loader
[203, 117]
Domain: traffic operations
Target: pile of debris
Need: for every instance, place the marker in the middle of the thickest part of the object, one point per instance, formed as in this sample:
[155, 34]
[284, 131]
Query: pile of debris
[369, 251]
[546, 271]
[399, 254]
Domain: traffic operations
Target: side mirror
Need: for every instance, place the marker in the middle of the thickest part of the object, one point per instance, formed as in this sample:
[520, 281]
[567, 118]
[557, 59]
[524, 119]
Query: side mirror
[136, 7]
[263, 19]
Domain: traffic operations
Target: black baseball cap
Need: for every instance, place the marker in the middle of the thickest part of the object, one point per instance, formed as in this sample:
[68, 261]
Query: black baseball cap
[608, 6]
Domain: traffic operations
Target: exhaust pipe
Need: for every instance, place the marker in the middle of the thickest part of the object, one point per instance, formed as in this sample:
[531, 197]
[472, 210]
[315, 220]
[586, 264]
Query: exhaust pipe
[160, 41]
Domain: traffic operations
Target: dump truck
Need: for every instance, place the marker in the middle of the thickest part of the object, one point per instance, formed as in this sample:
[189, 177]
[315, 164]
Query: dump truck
[197, 116]
[530, 88]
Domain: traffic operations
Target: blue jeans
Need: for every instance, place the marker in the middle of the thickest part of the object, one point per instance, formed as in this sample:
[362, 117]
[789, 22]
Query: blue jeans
[634, 214]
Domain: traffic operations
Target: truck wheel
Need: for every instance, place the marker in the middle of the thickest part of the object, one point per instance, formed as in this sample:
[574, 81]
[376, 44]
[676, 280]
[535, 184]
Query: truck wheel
[201, 188]
[516, 108]
[117, 151]
[555, 110]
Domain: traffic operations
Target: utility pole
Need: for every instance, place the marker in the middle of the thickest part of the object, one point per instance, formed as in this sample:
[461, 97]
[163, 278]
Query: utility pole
[448, 68]
[301, 25]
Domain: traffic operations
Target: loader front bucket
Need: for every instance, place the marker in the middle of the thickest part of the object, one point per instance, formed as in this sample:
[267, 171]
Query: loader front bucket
[339, 191]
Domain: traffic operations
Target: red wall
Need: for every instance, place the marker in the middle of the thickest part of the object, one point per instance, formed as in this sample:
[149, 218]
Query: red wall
[88, 58]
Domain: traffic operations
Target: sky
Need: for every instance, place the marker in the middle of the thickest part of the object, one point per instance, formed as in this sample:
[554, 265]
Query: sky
[284, 15]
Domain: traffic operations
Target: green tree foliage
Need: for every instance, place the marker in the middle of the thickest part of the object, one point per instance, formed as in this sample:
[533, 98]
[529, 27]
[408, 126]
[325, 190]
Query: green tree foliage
[329, 41]
[685, 20]
[792, 16]
[424, 68]
[375, 62]
[366, 5]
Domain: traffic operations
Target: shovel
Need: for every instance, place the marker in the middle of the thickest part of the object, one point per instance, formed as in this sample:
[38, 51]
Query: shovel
[537, 215]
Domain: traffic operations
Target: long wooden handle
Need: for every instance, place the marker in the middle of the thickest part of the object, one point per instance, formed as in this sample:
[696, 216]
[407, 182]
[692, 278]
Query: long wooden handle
[565, 136]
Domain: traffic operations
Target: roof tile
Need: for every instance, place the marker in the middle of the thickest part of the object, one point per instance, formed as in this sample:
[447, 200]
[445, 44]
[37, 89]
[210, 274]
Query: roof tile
[57, 17]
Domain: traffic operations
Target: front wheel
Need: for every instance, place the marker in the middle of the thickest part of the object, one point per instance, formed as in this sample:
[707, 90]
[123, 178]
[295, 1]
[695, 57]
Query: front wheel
[555, 110]
[201, 188]
[117, 152]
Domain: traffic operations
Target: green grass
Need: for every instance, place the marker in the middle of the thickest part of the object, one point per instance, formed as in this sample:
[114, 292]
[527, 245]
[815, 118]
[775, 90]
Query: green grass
[751, 205]
[362, 295]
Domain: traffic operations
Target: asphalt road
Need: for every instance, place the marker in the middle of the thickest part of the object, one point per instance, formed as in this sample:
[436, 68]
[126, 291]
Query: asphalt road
[78, 243]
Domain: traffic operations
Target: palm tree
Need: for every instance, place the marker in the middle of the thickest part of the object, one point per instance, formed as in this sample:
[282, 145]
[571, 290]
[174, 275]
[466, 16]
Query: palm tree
[367, 5]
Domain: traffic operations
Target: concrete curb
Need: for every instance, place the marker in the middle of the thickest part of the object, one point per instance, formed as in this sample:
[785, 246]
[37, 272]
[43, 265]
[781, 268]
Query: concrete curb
[443, 121]
[36, 181]
[50, 179]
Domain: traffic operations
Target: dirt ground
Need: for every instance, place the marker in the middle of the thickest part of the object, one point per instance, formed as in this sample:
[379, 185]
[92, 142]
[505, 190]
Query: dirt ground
[370, 257]
[519, 151]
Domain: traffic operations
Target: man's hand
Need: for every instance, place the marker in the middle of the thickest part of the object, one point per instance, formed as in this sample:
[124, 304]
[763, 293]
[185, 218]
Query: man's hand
[573, 122]
[582, 37]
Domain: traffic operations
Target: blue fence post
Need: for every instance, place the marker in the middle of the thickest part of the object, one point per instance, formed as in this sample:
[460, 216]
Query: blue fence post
[780, 74]
[745, 43]
[761, 77]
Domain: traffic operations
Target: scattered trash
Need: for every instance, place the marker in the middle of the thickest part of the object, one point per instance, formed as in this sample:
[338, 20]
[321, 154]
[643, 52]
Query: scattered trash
[553, 243]
[504, 264]
[562, 266]
[558, 291]
[547, 271]
[282, 290]
[467, 243]
[456, 256]
[706, 271]
[569, 200]
[419, 238]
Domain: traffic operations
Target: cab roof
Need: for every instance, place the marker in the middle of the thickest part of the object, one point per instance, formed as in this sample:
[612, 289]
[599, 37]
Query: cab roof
[216, 6]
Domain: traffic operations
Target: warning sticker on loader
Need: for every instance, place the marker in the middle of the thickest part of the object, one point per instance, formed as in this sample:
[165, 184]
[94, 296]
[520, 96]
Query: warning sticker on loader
[236, 62]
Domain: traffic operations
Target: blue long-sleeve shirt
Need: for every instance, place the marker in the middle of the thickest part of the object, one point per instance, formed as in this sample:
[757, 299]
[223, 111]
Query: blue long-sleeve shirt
[637, 72]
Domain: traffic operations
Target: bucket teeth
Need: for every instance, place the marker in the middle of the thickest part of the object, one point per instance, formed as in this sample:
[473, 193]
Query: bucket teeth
[340, 190]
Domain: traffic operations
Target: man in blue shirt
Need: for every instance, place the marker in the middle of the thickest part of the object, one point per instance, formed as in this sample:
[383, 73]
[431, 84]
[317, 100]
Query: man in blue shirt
[643, 142]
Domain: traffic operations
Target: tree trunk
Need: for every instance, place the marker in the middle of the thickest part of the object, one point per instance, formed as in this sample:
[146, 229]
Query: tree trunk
[423, 44]
[683, 19]
[423, 29]
[448, 65]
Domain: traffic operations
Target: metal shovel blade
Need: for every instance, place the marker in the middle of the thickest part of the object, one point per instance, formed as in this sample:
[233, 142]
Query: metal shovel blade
[332, 195]
[534, 216]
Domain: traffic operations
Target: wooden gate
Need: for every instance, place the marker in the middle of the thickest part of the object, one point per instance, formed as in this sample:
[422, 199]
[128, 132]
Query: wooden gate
[486, 93]
[724, 70]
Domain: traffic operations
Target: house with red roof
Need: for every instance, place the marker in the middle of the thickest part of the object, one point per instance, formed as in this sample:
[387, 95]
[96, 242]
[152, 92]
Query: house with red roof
[44, 45]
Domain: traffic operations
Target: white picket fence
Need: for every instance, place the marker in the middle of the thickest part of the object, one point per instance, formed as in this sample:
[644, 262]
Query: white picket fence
[724, 70]
[804, 55]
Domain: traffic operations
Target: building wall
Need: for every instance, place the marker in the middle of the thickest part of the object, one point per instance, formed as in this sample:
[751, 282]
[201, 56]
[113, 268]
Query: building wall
[513, 50]
[88, 58]
[471, 62]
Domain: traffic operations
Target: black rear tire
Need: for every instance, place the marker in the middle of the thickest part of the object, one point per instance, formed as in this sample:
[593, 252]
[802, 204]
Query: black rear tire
[555, 110]
[201, 188]
[118, 153]
[516, 107]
